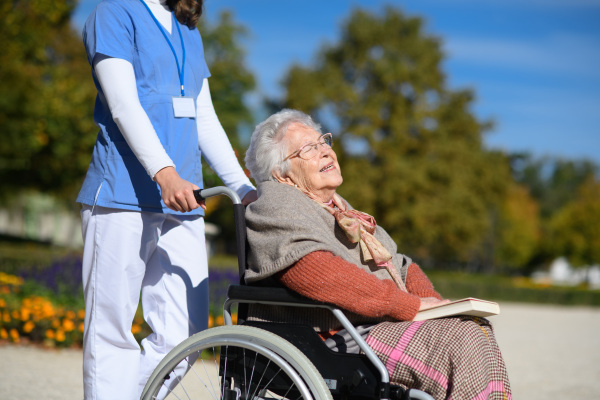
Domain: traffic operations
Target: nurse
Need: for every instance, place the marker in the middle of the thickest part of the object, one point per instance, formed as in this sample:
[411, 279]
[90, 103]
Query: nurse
[143, 230]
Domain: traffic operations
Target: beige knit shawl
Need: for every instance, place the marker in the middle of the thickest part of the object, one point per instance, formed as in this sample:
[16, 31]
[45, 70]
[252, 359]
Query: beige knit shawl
[283, 226]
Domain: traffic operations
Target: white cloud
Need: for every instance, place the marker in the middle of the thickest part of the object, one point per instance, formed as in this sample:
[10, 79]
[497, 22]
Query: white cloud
[559, 53]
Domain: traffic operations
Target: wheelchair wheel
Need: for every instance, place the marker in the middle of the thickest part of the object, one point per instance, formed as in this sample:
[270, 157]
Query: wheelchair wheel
[236, 363]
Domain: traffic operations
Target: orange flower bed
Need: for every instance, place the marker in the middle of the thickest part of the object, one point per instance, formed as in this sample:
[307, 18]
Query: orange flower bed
[36, 319]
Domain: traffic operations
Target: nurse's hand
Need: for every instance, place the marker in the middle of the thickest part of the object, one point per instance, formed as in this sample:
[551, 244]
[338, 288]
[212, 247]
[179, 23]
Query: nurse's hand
[177, 193]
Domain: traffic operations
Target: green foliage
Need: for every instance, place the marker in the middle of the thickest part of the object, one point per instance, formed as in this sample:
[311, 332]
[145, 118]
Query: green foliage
[230, 79]
[411, 151]
[574, 231]
[518, 228]
[16, 256]
[568, 201]
[230, 82]
[552, 182]
[46, 99]
[517, 290]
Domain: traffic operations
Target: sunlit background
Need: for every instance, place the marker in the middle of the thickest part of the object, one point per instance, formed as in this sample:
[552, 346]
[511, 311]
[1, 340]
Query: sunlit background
[534, 64]
[469, 129]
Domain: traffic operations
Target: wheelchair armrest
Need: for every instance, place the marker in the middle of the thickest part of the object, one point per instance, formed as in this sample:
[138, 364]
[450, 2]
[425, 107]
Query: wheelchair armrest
[269, 294]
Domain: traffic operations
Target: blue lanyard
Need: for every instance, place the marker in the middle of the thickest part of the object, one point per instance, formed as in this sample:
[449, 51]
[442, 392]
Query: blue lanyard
[181, 69]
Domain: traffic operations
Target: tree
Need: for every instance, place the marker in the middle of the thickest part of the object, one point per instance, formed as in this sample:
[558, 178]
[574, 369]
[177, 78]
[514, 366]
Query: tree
[230, 82]
[518, 228]
[556, 185]
[574, 231]
[553, 182]
[46, 99]
[230, 79]
[411, 150]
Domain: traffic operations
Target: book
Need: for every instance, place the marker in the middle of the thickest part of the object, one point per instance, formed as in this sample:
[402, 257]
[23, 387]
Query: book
[467, 306]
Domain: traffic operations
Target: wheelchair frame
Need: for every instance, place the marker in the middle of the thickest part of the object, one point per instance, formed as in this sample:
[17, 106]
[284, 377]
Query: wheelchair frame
[277, 343]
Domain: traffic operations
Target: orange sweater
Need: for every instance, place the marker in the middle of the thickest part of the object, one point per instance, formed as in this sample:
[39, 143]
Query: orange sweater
[328, 278]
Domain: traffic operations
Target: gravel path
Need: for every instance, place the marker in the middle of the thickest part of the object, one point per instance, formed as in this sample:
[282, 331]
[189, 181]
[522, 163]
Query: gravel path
[551, 352]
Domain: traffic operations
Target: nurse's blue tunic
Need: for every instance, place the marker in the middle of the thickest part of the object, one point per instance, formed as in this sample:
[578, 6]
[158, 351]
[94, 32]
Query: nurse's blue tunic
[125, 29]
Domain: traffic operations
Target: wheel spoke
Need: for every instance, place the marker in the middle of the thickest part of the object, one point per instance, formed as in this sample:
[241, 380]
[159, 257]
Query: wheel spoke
[247, 363]
[210, 386]
[261, 378]
[245, 376]
[182, 386]
[249, 383]
[223, 379]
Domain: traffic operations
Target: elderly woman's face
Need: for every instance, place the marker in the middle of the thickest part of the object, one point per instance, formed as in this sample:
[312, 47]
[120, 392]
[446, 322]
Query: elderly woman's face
[319, 175]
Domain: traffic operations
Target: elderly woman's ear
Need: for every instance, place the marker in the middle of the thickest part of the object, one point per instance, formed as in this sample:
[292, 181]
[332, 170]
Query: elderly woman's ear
[281, 178]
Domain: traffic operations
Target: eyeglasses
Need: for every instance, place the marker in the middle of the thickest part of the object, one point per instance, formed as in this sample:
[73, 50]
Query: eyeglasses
[310, 150]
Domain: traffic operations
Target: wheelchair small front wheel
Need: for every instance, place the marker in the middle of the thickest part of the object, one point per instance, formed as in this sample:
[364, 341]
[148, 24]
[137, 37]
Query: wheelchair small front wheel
[236, 363]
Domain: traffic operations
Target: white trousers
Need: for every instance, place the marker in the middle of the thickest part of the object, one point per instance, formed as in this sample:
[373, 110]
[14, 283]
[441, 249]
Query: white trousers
[161, 257]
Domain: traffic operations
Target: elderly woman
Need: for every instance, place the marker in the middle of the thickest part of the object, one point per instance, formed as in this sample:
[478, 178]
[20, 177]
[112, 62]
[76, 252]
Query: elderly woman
[305, 237]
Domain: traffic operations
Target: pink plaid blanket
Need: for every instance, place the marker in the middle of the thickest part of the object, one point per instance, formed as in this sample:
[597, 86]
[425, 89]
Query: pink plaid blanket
[449, 358]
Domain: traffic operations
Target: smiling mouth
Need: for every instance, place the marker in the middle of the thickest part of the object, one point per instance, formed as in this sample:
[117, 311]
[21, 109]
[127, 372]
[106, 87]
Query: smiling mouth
[327, 168]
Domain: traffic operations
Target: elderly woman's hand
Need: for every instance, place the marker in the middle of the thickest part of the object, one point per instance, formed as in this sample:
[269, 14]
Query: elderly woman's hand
[430, 302]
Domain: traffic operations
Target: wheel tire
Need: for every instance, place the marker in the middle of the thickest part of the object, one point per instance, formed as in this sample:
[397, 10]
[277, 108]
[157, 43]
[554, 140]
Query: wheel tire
[270, 356]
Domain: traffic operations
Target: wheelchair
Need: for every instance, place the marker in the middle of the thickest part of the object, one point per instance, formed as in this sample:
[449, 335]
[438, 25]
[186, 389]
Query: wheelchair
[262, 360]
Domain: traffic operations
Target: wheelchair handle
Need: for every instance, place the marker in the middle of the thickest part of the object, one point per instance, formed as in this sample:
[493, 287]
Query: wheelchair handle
[238, 217]
[202, 194]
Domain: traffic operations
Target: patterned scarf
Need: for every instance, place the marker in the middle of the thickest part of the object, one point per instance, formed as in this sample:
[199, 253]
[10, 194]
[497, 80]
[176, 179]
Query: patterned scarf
[359, 227]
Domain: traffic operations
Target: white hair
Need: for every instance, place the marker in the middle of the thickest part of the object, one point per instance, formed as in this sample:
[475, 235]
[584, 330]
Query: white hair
[268, 149]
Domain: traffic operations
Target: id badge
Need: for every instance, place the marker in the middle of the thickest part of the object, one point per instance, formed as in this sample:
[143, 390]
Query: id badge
[184, 107]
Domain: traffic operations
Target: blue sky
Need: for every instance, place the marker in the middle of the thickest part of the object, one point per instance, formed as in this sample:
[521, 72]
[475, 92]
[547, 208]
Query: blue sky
[534, 65]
